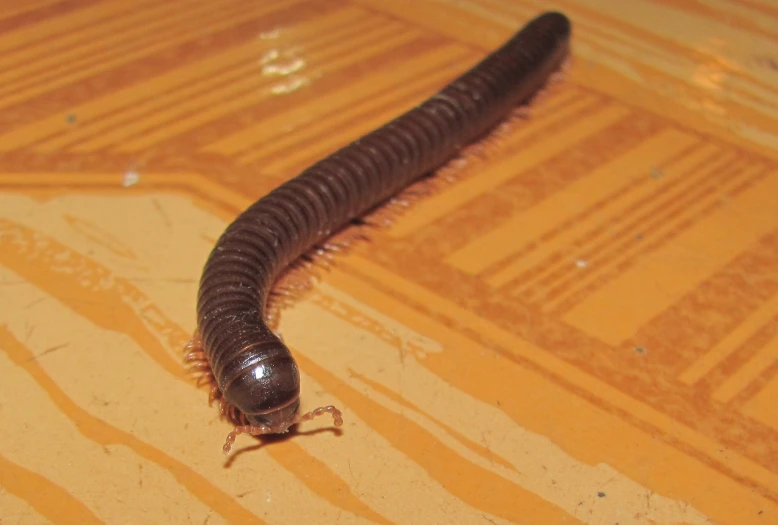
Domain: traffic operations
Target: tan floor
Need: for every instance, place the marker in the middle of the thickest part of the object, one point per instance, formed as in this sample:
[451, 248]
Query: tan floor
[584, 329]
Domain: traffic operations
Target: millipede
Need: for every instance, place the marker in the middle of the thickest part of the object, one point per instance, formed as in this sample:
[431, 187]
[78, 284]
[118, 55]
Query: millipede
[249, 369]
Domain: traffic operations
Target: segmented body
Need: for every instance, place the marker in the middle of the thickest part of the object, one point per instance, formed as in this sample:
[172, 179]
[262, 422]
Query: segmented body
[253, 369]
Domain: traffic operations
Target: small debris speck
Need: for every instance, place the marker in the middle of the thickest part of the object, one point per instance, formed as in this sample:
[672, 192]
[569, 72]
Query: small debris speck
[270, 35]
[130, 178]
[70, 119]
[656, 173]
[581, 263]
[289, 87]
[600, 494]
[283, 70]
[269, 56]
[640, 350]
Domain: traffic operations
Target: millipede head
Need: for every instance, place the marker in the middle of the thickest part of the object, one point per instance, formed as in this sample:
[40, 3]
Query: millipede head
[277, 421]
[281, 425]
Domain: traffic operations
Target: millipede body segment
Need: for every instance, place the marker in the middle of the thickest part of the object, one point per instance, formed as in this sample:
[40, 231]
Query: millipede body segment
[254, 372]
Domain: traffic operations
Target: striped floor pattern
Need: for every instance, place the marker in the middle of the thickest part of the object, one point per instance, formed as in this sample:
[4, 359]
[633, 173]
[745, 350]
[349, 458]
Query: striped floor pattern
[581, 328]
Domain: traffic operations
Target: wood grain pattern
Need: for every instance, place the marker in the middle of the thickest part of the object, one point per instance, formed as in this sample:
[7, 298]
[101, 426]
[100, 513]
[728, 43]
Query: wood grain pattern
[620, 293]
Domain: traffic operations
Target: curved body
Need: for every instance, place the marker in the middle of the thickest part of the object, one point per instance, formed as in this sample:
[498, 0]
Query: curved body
[254, 370]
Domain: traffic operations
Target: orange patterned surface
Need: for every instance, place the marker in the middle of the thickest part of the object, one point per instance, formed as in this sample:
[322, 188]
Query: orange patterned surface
[583, 329]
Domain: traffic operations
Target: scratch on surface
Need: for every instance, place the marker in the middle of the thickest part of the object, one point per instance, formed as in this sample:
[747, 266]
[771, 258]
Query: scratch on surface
[50, 350]
[33, 303]
[161, 211]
